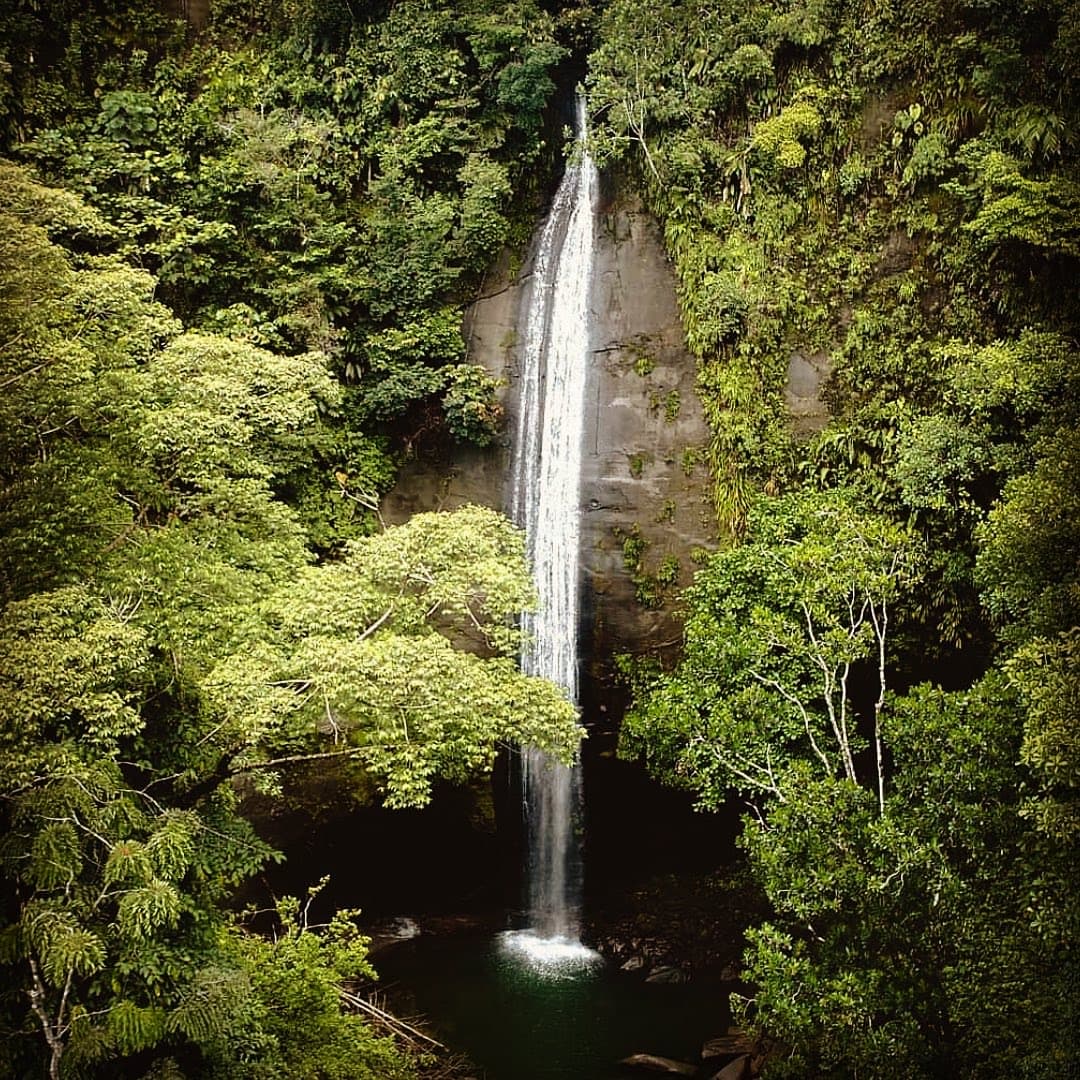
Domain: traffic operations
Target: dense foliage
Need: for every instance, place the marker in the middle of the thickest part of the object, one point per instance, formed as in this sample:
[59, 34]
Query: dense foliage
[234, 250]
[231, 270]
[881, 662]
[302, 178]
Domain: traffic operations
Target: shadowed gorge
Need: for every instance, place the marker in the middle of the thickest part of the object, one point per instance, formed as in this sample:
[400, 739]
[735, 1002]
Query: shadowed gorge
[375, 430]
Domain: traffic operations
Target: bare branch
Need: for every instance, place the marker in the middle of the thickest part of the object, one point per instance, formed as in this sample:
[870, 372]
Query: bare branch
[770, 786]
[881, 625]
[792, 699]
[295, 759]
[388, 1020]
[829, 689]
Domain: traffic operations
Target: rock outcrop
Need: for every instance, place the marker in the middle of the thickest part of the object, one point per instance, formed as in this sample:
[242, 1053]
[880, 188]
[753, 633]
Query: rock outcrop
[644, 482]
[654, 1063]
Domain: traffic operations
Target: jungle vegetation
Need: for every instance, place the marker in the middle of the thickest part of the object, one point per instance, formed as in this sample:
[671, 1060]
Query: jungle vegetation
[236, 243]
[232, 267]
[882, 660]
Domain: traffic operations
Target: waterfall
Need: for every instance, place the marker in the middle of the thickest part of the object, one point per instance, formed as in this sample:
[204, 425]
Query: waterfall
[546, 485]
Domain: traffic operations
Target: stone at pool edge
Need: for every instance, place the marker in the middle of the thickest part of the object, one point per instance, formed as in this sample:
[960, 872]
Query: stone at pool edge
[734, 1042]
[668, 974]
[654, 1063]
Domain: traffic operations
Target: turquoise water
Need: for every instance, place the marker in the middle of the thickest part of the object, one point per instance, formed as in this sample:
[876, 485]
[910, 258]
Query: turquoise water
[519, 1020]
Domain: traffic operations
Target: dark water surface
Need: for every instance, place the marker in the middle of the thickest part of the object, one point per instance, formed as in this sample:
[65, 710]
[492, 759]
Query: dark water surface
[518, 1019]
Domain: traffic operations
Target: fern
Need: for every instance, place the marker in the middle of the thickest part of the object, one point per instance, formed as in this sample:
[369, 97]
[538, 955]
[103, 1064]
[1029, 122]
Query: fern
[144, 911]
[134, 1027]
[212, 998]
[55, 859]
[62, 945]
[89, 1042]
[128, 864]
[1038, 130]
[172, 845]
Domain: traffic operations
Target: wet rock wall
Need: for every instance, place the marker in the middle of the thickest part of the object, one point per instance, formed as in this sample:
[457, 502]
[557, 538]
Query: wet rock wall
[644, 481]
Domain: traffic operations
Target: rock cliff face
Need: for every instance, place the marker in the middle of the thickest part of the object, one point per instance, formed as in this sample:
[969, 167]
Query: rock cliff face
[644, 480]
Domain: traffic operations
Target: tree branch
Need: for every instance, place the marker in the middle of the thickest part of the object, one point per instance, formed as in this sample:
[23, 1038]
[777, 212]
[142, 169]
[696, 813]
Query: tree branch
[829, 689]
[880, 630]
[295, 759]
[50, 1030]
[790, 697]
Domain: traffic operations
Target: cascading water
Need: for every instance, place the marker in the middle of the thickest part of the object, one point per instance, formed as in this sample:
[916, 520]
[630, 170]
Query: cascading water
[536, 1004]
[546, 483]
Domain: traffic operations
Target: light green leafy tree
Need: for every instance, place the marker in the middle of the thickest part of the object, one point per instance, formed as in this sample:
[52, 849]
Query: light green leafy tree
[282, 1025]
[368, 651]
[777, 627]
[163, 629]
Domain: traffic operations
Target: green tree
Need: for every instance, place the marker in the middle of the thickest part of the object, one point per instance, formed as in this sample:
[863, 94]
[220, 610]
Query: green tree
[778, 628]
[164, 628]
[890, 832]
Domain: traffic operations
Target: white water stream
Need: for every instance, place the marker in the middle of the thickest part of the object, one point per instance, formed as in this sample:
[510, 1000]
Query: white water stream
[546, 485]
